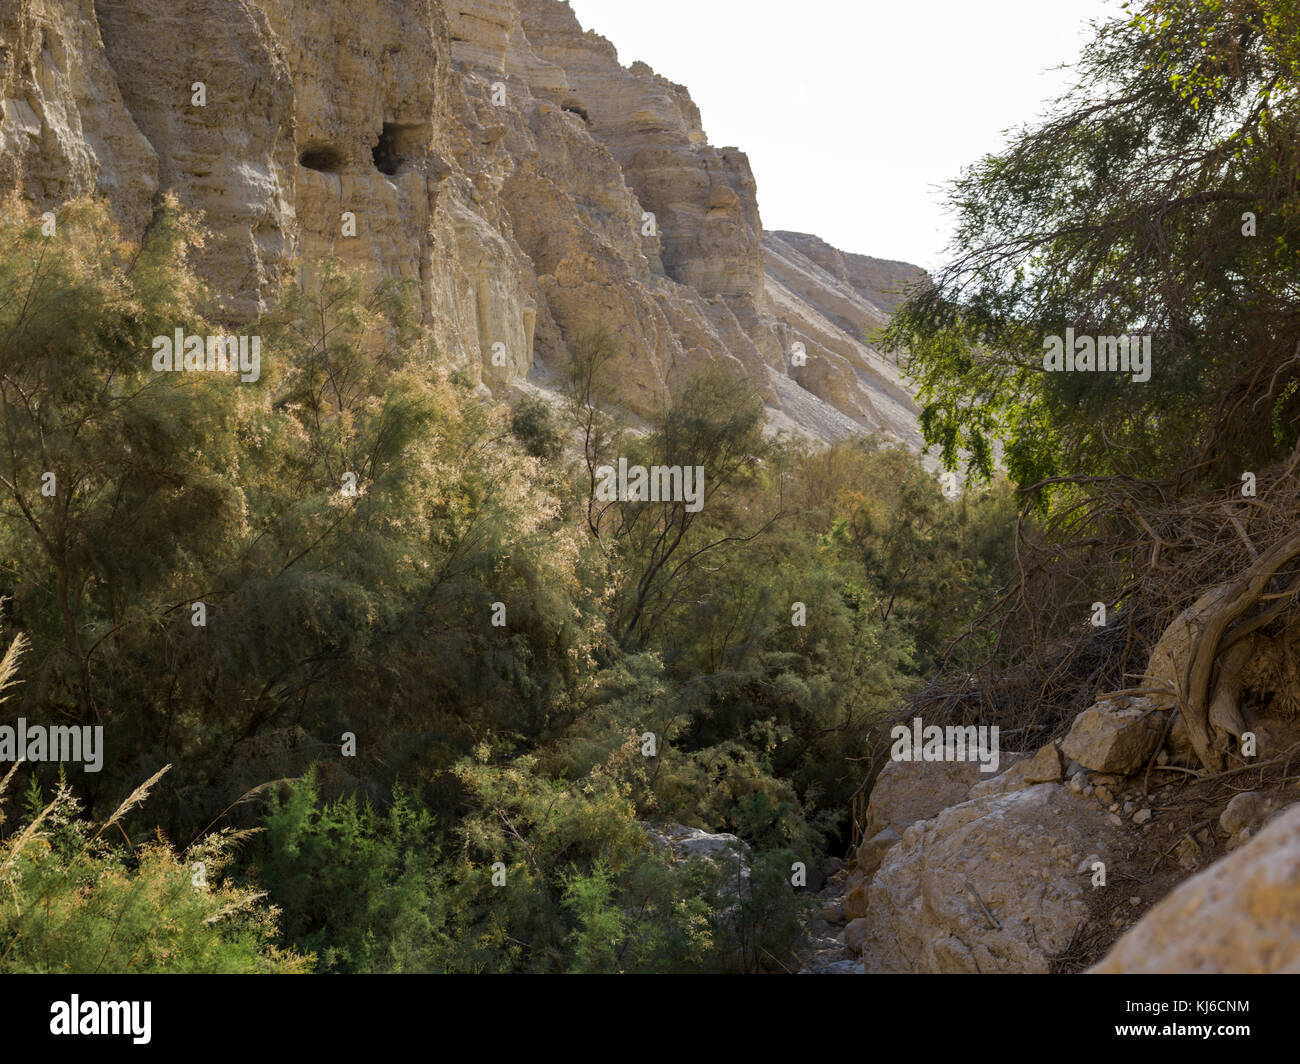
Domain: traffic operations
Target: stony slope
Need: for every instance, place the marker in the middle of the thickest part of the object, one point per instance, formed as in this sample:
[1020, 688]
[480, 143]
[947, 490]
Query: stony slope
[489, 149]
[1075, 857]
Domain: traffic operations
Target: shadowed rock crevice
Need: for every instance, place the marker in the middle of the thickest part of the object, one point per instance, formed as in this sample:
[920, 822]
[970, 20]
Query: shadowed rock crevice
[398, 145]
[323, 158]
[575, 108]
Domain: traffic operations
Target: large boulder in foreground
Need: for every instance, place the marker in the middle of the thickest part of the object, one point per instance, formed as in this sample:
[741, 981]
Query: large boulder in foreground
[1241, 915]
[996, 884]
[904, 792]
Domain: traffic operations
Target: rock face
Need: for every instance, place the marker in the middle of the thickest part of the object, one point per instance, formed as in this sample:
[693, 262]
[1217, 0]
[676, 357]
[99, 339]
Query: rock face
[904, 792]
[685, 842]
[490, 151]
[1241, 915]
[990, 885]
[828, 301]
[1116, 736]
[908, 791]
[64, 129]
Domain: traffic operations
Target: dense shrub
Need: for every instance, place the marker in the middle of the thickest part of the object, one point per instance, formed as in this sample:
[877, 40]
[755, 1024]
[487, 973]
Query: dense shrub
[402, 581]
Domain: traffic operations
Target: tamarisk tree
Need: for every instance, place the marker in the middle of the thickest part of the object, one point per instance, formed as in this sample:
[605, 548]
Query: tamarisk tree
[1160, 197]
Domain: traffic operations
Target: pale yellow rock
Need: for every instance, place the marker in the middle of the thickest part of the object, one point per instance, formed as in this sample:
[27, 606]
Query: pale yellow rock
[64, 128]
[855, 895]
[870, 853]
[1115, 737]
[491, 152]
[855, 934]
[1043, 767]
[1241, 915]
[991, 885]
[908, 791]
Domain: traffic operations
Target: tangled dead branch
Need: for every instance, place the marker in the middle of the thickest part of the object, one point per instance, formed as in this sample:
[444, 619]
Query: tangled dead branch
[1201, 595]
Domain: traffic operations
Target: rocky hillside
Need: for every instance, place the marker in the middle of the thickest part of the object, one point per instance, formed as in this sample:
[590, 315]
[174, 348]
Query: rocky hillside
[1077, 857]
[491, 150]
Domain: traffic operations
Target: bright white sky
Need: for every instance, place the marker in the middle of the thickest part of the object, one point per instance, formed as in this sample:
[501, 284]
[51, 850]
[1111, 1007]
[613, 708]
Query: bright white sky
[855, 113]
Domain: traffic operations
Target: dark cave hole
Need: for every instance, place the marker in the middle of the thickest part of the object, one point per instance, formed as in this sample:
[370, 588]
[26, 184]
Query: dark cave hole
[326, 160]
[388, 159]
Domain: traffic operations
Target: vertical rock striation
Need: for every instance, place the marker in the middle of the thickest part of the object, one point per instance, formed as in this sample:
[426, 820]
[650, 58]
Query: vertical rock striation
[491, 151]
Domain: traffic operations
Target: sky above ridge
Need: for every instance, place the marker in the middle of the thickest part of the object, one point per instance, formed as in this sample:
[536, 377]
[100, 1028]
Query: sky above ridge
[856, 113]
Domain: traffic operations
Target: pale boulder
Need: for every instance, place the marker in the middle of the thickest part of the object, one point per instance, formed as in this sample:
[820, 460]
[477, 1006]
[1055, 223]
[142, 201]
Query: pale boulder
[872, 850]
[1043, 767]
[908, 791]
[991, 885]
[855, 933]
[1116, 736]
[1240, 915]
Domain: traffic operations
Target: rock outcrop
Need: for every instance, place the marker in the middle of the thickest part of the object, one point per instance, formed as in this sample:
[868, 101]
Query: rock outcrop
[490, 151]
[1043, 767]
[685, 843]
[908, 791]
[1115, 735]
[1044, 867]
[904, 793]
[994, 884]
[1241, 915]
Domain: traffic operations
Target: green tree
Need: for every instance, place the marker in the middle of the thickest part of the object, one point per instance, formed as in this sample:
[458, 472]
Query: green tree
[1128, 210]
[118, 482]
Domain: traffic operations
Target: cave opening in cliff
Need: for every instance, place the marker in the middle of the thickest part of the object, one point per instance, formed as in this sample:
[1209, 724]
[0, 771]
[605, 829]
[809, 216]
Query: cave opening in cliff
[575, 108]
[323, 158]
[387, 153]
[399, 144]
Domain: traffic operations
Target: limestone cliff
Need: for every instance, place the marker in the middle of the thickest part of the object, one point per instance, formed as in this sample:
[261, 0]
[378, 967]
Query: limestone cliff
[490, 150]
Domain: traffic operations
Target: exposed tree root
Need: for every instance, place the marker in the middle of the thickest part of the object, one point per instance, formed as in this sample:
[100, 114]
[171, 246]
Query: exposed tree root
[1144, 552]
[1211, 733]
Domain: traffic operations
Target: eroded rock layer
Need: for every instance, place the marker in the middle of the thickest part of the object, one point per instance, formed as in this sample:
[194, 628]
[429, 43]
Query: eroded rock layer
[490, 150]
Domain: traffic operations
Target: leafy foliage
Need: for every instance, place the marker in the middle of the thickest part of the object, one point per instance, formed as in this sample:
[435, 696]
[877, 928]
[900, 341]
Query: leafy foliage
[533, 676]
[76, 902]
[1129, 210]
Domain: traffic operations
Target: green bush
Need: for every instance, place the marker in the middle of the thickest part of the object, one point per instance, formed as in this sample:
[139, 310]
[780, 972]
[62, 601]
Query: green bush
[358, 885]
[533, 425]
